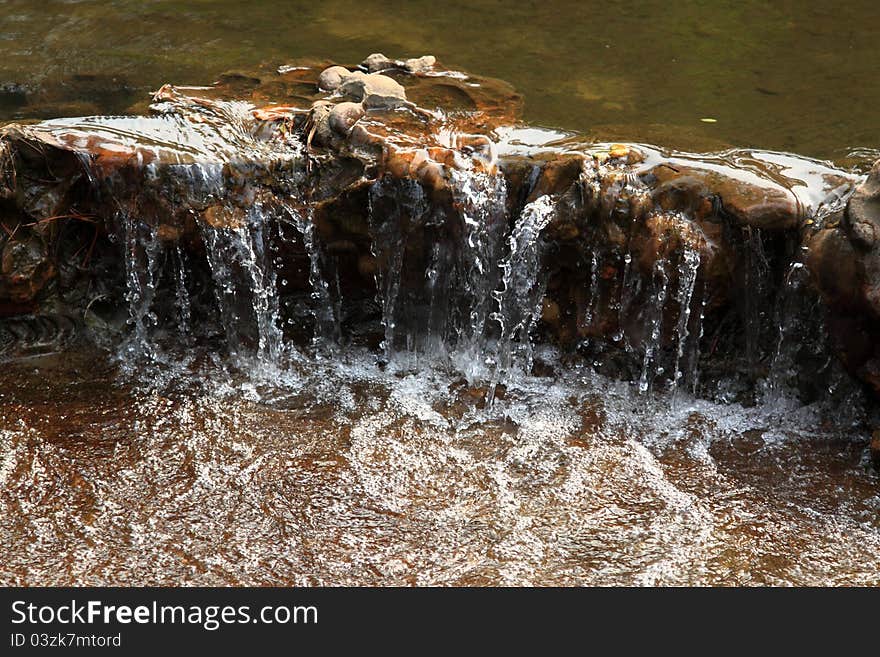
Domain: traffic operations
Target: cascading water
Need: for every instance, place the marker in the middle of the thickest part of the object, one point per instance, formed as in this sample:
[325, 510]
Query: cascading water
[442, 314]
[245, 286]
[522, 290]
[688, 269]
[325, 310]
[481, 201]
[593, 303]
[651, 367]
[393, 208]
[184, 303]
[142, 254]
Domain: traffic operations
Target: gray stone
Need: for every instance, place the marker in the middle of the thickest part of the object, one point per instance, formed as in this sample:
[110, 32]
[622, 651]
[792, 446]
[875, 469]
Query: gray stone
[332, 77]
[375, 91]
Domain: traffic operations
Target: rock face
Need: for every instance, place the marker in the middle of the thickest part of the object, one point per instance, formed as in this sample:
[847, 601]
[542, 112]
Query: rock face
[424, 192]
[844, 259]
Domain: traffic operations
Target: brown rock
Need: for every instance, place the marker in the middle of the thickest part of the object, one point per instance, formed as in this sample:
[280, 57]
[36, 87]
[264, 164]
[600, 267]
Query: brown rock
[862, 217]
[374, 90]
[332, 77]
[25, 268]
[344, 115]
[417, 65]
[377, 62]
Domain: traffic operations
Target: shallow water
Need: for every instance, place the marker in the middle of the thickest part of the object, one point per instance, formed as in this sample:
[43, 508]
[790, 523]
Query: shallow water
[347, 474]
[178, 466]
[792, 76]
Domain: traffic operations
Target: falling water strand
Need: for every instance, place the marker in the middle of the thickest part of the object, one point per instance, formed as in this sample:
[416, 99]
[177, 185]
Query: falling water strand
[650, 369]
[143, 250]
[391, 207]
[482, 201]
[184, 306]
[326, 313]
[789, 320]
[523, 286]
[238, 258]
[695, 348]
[593, 304]
[258, 267]
[687, 277]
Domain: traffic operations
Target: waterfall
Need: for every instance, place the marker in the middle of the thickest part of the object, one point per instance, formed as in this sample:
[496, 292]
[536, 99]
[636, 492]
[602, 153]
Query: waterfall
[438, 269]
[326, 312]
[245, 286]
[593, 304]
[482, 199]
[650, 363]
[184, 304]
[688, 268]
[142, 263]
[393, 208]
[522, 290]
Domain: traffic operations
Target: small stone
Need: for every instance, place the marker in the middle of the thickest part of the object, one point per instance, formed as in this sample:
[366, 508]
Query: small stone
[618, 150]
[344, 115]
[332, 77]
[377, 62]
[422, 64]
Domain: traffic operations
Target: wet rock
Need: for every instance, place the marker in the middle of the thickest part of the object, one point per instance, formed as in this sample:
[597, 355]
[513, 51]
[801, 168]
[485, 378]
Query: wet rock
[344, 115]
[756, 202]
[862, 219]
[331, 78]
[374, 90]
[25, 268]
[417, 65]
[377, 62]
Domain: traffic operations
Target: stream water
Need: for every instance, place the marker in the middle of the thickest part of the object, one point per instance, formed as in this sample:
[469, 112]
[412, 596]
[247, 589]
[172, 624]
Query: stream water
[198, 440]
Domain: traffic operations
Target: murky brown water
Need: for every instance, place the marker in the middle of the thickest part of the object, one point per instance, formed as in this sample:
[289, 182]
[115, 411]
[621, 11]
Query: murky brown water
[338, 472]
[796, 76]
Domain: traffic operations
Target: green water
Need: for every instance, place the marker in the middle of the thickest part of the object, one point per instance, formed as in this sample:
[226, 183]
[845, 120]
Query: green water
[795, 76]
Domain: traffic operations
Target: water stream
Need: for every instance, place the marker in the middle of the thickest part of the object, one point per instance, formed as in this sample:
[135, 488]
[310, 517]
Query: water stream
[234, 429]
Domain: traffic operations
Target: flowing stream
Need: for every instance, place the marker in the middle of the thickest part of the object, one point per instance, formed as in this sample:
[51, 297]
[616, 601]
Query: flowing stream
[235, 419]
